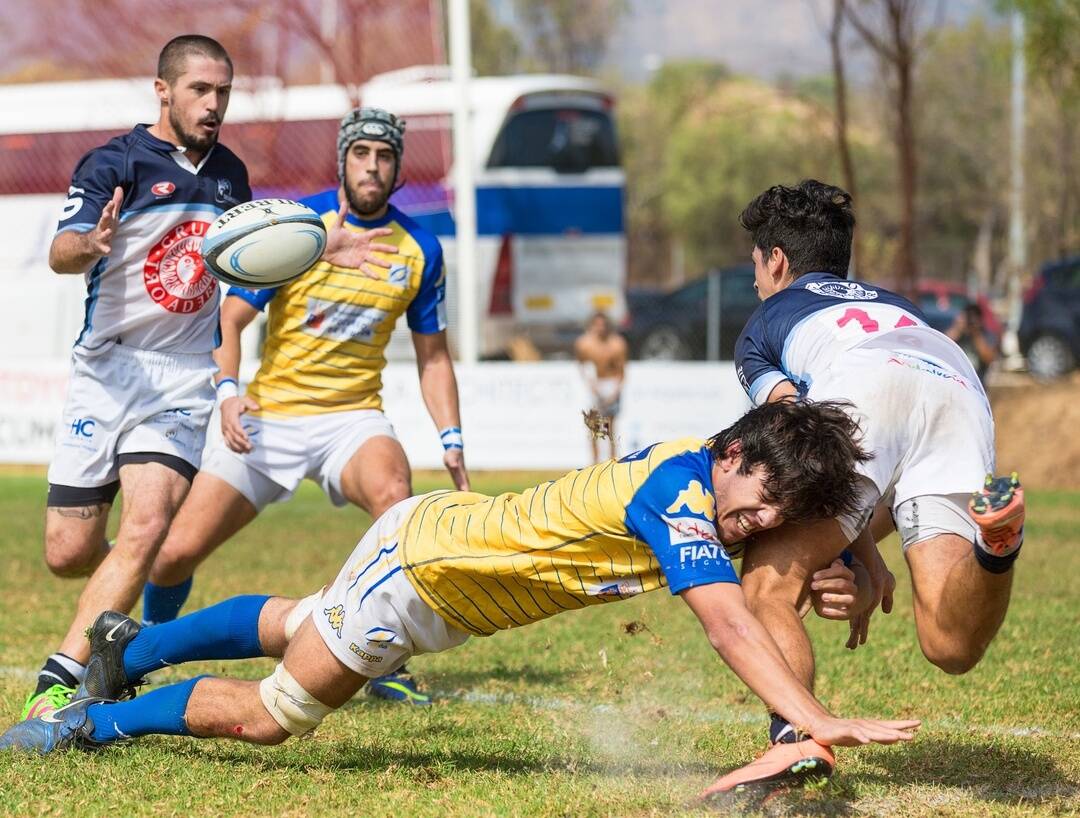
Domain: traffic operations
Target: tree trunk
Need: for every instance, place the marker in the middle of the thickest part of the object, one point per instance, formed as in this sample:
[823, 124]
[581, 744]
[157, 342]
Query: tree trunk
[906, 263]
[847, 166]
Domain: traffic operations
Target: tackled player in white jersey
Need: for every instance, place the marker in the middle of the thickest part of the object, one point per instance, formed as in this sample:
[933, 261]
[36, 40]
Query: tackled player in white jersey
[925, 419]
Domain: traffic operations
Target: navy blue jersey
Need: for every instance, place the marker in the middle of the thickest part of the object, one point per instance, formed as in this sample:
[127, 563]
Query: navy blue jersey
[152, 291]
[807, 328]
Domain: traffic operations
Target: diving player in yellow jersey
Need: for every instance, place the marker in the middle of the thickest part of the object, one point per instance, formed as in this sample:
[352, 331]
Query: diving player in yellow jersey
[313, 409]
[439, 568]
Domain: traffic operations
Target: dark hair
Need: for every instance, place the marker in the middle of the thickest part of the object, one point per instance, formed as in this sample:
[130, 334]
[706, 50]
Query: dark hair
[809, 451]
[812, 223]
[170, 64]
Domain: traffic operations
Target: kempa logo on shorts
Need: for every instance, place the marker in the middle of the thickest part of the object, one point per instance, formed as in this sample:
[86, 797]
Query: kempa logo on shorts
[174, 275]
[847, 290]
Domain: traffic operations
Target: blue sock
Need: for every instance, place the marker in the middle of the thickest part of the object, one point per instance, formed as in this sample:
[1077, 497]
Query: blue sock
[162, 603]
[228, 630]
[159, 711]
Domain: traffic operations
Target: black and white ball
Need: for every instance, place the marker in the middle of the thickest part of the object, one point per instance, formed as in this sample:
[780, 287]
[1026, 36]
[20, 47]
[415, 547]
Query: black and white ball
[264, 243]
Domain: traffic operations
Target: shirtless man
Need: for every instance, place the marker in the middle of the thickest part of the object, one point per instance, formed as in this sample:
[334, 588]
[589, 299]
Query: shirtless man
[602, 353]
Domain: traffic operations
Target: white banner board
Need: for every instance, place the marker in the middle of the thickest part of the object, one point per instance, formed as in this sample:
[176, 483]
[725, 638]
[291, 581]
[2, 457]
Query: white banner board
[514, 415]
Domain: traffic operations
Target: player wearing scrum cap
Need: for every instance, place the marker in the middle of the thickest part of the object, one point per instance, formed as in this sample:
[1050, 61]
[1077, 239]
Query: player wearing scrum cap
[314, 408]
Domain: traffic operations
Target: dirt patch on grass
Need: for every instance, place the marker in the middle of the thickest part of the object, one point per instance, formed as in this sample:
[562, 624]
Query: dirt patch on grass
[1038, 430]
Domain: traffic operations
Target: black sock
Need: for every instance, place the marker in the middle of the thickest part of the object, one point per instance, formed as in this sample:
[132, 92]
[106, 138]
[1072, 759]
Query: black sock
[59, 670]
[992, 562]
[781, 731]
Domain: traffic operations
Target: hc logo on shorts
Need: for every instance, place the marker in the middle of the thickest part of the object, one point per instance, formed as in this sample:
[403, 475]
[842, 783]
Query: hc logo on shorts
[82, 427]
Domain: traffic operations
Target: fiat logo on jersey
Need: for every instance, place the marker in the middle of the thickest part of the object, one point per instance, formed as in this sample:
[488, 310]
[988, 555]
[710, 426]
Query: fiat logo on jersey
[162, 189]
[174, 274]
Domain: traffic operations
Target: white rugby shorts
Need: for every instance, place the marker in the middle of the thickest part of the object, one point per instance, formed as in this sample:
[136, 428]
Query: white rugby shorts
[371, 617]
[287, 449]
[123, 400]
[929, 428]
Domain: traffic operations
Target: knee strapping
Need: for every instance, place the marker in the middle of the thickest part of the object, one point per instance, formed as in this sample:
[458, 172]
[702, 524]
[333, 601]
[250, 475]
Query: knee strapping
[292, 707]
[301, 612]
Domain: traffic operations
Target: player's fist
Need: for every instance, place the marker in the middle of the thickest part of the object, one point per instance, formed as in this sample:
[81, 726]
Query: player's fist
[833, 591]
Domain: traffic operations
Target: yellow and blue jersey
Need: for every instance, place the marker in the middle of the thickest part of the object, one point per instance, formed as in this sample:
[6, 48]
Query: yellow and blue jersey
[596, 535]
[328, 330]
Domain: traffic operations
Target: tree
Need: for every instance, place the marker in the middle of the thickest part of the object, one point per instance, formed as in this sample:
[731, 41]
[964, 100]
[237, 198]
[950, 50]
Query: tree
[840, 118]
[1053, 54]
[496, 49]
[891, 28]
[569, 36]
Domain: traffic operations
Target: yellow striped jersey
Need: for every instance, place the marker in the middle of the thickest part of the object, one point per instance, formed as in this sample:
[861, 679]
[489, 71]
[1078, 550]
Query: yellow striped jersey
[596, 535]
[327, 330]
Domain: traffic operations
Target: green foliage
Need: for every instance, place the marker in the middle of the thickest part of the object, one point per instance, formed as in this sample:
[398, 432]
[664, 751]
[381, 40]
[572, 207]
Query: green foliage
[576, 715]
[496, 49]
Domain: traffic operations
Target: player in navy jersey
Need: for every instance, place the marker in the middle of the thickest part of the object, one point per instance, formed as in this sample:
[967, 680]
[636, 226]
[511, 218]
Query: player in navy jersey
[140, 394]
[924, 417]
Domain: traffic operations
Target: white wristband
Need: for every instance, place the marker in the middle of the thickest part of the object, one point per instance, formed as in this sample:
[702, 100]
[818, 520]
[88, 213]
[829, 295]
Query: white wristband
[227, 388]
[451, 438]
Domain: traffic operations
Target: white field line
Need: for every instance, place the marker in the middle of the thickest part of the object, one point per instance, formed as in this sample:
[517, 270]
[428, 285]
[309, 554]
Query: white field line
[703, 715]
[729, 715]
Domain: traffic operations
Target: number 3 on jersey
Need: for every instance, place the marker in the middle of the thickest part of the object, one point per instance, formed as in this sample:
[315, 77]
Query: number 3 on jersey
[867, 323]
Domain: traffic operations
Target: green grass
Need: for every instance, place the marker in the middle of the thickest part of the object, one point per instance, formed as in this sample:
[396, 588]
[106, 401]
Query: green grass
[575, 715]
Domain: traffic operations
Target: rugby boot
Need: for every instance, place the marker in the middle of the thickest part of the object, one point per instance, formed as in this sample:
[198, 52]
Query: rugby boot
[105, 677]
[782, 766]
[998, 510]
[398, 686]
[67, 726]
[38, 704]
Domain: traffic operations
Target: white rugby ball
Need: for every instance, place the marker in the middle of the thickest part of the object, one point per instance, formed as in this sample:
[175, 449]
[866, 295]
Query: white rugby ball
[264, 243]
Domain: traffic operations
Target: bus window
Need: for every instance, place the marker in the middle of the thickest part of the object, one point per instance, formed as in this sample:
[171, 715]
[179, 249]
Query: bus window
[567, 140]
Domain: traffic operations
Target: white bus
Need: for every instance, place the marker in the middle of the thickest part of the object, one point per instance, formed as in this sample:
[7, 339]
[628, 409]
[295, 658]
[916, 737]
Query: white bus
[551, 238]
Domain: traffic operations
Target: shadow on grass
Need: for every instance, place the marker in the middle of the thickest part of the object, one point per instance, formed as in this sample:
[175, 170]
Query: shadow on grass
[990, 771]
[429, 765]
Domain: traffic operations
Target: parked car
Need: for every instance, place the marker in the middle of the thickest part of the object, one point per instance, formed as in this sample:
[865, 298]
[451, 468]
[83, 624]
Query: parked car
[1049, 331]
[674, 325]
[942, 301]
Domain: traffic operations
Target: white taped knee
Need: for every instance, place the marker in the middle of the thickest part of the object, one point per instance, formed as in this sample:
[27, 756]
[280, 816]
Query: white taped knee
[292, 707]
[301, 612]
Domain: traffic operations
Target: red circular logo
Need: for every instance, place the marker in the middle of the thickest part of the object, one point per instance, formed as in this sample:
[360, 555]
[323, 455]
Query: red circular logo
[174, 274]
[162, 188]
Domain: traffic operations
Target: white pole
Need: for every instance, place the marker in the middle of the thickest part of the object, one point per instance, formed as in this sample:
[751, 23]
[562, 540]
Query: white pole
[464, 184]
[1017, 239]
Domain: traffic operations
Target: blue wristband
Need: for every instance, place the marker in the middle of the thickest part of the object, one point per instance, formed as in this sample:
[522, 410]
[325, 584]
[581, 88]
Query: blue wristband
[451, 438]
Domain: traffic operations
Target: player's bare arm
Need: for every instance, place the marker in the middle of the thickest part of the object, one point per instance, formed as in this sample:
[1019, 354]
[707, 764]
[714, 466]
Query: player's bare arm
[236, 313]
[72, 252]
[744, 644]
[438, 385]
[355, 250]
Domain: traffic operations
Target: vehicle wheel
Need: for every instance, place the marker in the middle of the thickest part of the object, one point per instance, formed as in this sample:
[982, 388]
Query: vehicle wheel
[1049, 357]
[663, 344]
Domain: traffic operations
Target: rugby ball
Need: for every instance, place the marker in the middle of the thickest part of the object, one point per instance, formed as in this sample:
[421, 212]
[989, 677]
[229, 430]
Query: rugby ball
[264, 243]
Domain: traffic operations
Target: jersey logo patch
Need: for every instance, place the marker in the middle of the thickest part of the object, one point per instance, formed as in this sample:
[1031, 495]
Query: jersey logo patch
[690, 529]
[162, 189]
[694, 499]
[173, 273]
[616, 589]
[335, 616]
[398, 276]
[847, 290]
[342, 322]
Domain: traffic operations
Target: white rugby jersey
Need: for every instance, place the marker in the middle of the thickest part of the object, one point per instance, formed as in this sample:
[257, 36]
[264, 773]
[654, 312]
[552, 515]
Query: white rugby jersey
[803, 331]
[152, 291]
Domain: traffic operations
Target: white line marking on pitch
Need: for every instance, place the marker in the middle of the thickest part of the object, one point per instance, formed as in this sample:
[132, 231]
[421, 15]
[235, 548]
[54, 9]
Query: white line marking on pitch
[701, 715]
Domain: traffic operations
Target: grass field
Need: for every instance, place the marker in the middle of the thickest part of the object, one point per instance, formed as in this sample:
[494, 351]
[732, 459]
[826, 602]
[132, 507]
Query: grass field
[579, 715]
